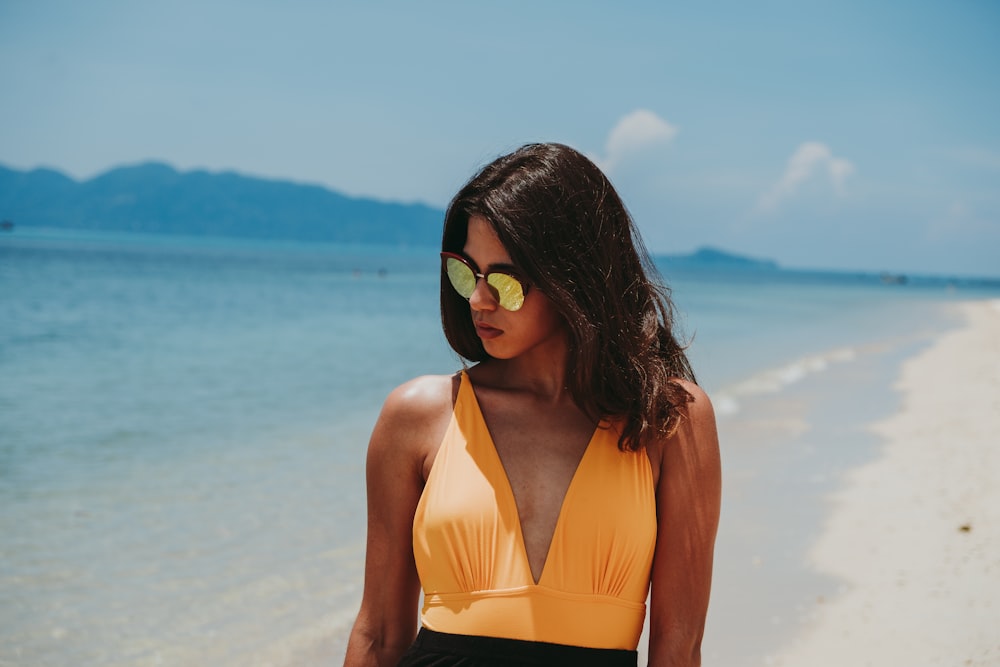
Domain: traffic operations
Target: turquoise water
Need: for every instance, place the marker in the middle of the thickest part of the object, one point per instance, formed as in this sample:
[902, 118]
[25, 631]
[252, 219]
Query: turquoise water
[183, 425]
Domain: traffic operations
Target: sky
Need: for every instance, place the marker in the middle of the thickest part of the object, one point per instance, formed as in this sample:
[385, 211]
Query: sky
[840, 134]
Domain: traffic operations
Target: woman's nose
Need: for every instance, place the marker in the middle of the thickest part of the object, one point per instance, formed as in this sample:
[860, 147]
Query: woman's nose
[482, 298]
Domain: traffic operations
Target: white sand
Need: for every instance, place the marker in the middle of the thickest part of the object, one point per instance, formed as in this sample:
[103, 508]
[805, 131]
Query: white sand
[915, 535]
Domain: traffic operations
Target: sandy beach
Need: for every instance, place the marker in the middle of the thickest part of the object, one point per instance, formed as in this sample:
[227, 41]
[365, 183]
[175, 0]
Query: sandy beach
[914, 536]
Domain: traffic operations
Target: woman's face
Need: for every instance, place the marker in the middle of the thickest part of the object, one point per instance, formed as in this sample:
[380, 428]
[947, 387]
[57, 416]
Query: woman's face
[535, 327]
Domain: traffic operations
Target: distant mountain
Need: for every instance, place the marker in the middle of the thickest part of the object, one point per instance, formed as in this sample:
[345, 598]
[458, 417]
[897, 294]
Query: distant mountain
[718, 259]
[156, 198]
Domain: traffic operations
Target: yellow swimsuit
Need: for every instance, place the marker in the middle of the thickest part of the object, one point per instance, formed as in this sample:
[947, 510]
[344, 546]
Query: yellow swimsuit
[471, 558]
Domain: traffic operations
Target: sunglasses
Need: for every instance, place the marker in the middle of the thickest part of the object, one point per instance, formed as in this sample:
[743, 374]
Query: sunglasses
[507, 289]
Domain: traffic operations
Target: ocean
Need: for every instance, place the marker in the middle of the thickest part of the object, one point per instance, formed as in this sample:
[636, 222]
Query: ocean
[183, 425]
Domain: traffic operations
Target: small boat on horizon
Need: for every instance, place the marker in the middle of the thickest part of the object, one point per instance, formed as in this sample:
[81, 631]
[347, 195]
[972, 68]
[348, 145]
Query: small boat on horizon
[893, 279]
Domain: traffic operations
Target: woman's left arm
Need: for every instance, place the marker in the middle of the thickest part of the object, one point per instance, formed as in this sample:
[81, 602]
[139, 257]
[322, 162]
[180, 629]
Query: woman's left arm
[688, 500]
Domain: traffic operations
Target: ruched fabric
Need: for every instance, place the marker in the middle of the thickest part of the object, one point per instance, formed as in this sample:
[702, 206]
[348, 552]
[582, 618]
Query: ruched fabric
[470, 552]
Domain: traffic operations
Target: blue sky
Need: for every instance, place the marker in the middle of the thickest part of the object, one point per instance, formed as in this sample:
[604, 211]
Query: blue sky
[839, 134]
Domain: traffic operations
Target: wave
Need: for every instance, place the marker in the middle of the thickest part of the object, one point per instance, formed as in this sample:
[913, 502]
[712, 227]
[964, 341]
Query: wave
[773, 380]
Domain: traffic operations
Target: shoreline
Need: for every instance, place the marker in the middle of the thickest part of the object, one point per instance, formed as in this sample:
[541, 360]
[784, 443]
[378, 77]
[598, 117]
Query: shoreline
[913, 536]
[789, 445]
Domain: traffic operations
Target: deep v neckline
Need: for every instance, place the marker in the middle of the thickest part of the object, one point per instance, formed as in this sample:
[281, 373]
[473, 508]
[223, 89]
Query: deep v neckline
[513, 498]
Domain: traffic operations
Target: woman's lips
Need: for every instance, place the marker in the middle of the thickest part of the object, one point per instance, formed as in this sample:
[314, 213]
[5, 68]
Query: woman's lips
[487, 332]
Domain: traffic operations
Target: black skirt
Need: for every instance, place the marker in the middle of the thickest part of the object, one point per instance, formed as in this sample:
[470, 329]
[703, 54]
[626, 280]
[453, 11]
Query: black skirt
[437, 649]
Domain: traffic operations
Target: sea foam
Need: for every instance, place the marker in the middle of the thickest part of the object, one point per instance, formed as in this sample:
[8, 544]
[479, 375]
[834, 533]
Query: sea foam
[773, 380]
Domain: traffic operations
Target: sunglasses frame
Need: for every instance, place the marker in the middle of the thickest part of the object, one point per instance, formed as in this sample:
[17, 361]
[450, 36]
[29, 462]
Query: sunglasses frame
[512, 274]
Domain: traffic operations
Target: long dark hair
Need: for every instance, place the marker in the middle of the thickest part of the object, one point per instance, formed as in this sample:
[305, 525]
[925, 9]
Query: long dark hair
[565, 227]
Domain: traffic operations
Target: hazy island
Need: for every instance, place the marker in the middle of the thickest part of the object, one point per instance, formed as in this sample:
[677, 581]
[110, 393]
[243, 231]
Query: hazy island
[155, 198]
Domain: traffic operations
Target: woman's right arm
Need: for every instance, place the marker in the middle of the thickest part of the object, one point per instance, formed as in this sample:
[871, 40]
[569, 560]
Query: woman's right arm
[408, 430]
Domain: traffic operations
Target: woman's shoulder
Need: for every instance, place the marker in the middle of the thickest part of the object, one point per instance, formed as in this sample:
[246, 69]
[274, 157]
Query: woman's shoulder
[697, 424]
[700, 405]
[695, 440]
[421, 398]
[413, 421]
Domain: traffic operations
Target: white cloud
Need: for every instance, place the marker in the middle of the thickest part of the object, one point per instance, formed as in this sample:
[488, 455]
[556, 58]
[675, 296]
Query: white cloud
[840, 169]
[808, 159]
[633, 133]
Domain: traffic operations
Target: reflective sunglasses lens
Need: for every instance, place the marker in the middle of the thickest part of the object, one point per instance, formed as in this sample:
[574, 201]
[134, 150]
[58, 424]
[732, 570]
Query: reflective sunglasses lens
[461, 276]
[510, 293]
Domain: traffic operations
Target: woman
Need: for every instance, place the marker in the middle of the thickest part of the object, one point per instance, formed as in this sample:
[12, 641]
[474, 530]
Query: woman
[539, 495]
